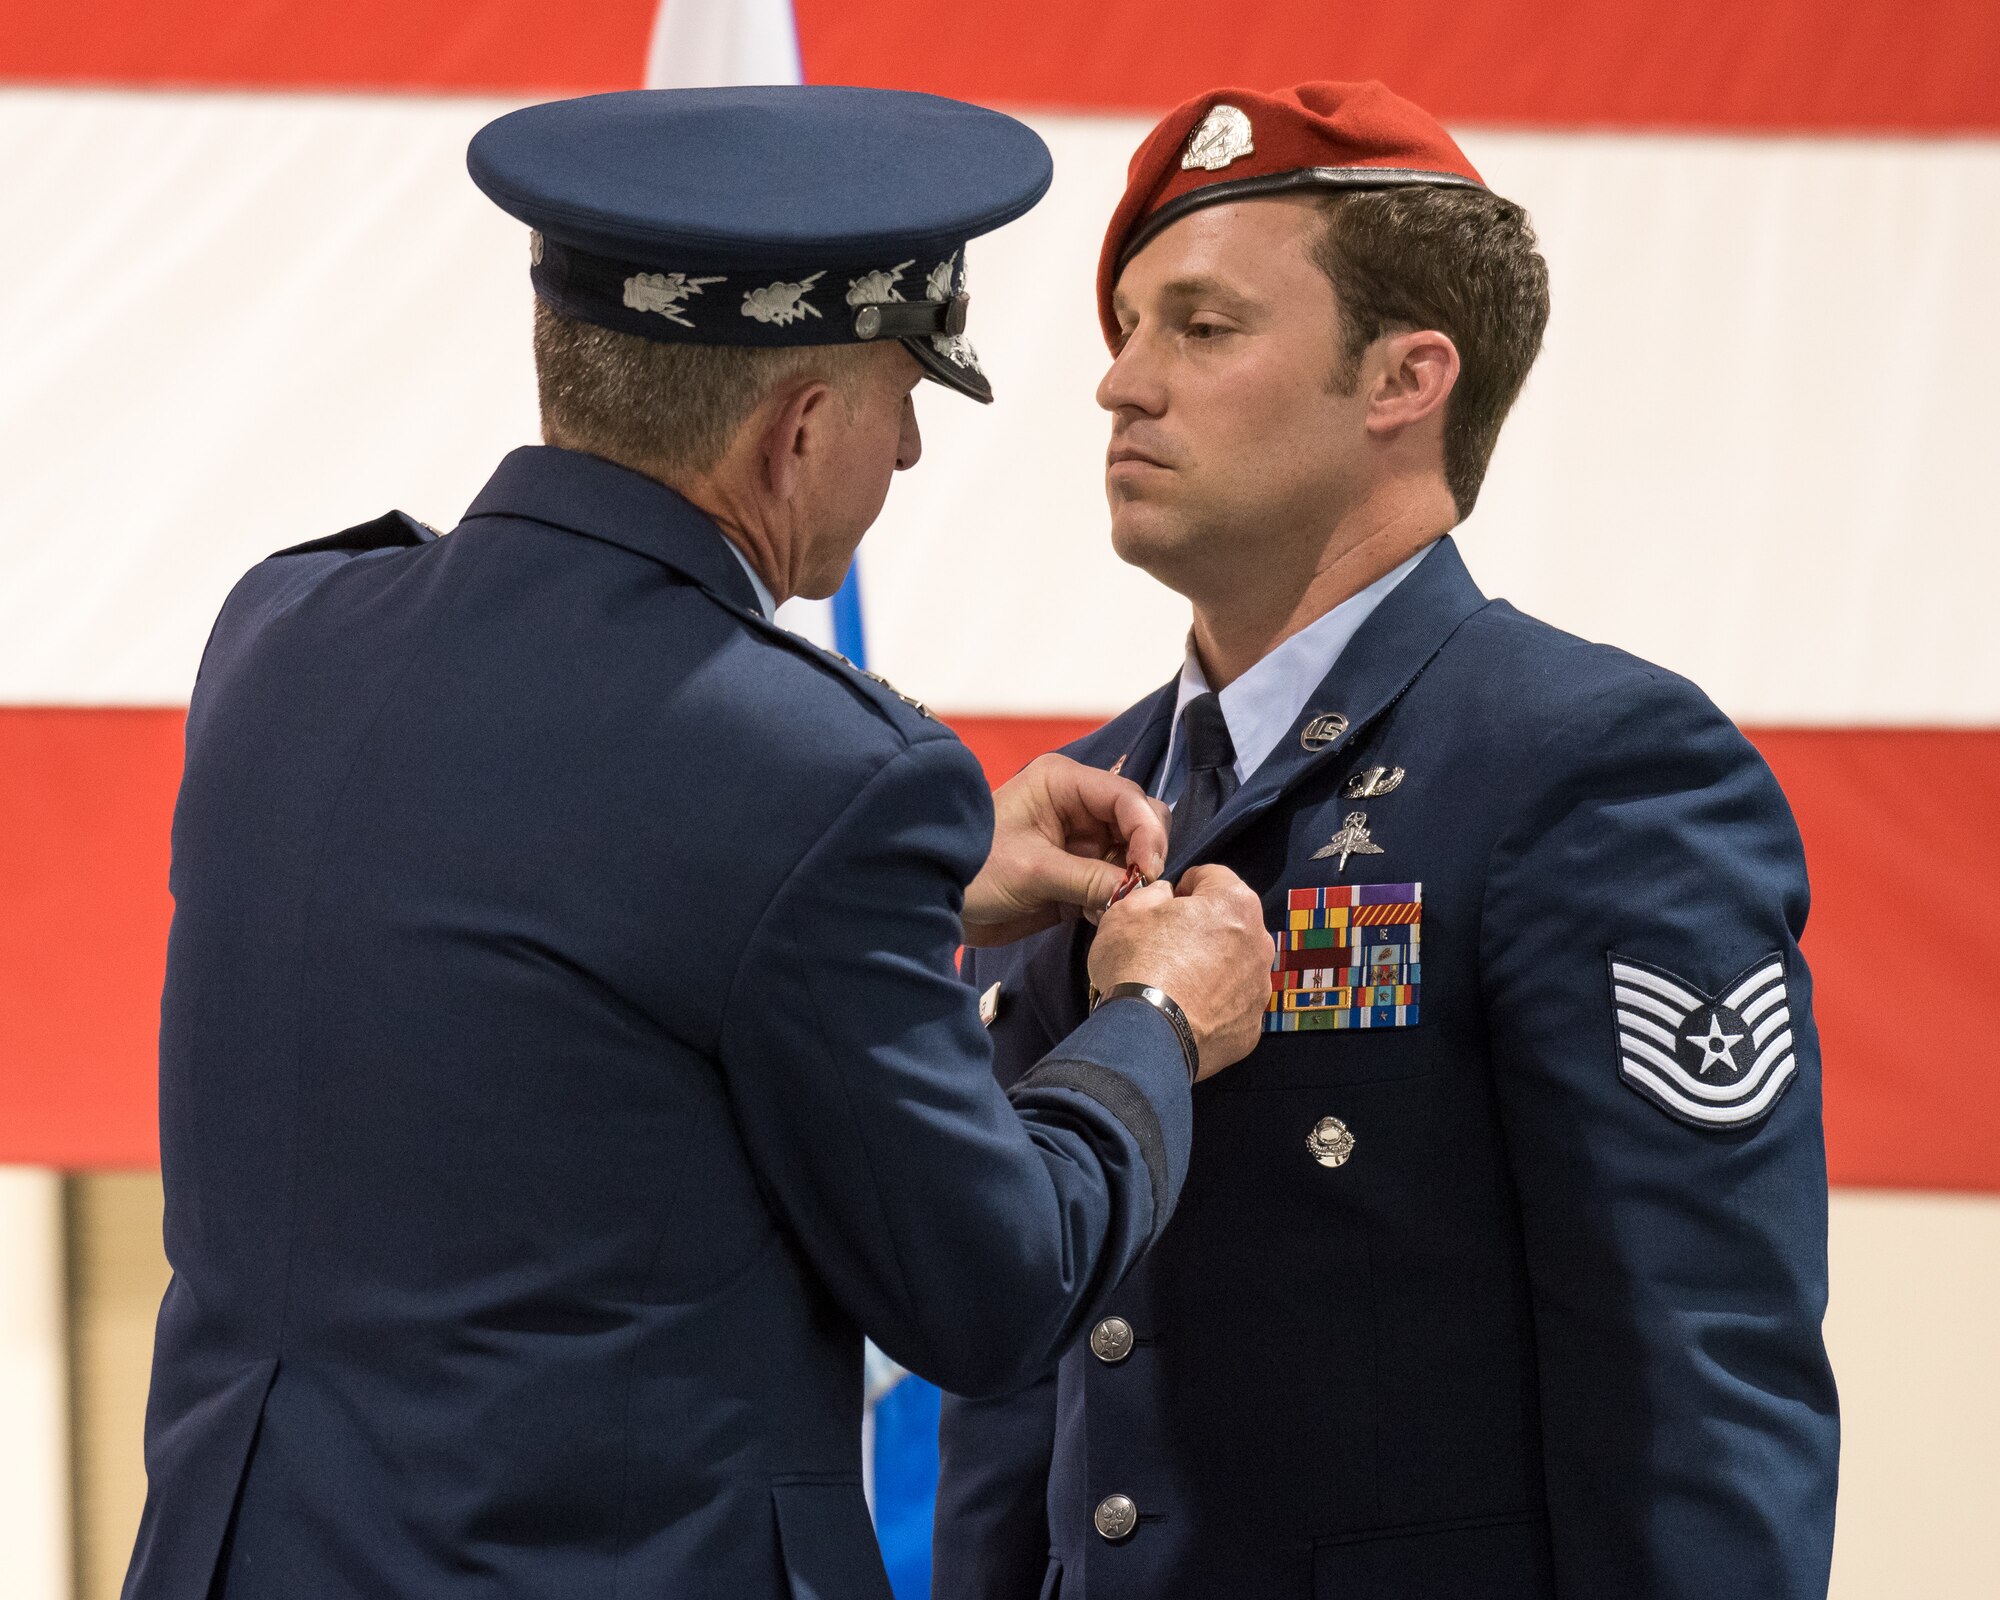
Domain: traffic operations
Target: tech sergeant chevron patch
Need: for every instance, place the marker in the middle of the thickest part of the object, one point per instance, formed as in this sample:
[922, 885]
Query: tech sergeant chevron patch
[1714, 1062]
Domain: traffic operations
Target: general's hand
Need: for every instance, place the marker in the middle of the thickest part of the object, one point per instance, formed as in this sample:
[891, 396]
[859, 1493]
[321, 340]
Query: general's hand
[1063, 835]
[1203, 943]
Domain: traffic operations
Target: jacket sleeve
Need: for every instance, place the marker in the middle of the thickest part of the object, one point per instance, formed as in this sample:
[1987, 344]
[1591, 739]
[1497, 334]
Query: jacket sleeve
[970, 1231]
[990, 1532]
[1676, 1236]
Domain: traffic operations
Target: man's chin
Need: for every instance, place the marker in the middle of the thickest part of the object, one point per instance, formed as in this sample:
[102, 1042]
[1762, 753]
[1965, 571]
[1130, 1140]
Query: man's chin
[1149, 538]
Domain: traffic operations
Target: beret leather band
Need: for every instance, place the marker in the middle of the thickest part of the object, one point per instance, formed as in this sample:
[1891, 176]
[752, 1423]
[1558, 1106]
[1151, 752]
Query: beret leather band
[1293, 182]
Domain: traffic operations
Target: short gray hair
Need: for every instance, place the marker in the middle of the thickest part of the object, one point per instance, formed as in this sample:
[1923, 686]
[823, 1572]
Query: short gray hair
[667, 410]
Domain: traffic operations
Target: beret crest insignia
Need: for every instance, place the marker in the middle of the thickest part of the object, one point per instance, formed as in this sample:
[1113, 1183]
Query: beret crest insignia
[1221, 137]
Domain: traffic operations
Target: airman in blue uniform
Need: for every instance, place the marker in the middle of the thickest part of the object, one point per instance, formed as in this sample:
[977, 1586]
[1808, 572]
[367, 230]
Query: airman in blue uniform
[1501, 1263]
[562, 1058]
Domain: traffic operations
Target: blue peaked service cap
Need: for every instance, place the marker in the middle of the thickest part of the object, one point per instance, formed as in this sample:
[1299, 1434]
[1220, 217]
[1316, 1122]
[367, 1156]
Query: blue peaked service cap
[770, 216]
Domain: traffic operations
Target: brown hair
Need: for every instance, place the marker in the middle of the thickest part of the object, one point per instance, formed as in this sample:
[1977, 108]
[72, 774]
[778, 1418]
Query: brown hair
[667, 410]
[1462, 261]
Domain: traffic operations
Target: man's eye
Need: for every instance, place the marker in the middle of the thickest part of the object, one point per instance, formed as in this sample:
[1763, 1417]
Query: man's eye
[1205, 330]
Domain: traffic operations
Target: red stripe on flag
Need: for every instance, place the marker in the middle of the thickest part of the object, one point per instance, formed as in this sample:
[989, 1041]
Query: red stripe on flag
[1920, 66]
[1895, 823]
[86, 799]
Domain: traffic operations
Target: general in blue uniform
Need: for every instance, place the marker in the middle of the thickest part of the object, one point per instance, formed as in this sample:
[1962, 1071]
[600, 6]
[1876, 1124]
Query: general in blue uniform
[562, 1057]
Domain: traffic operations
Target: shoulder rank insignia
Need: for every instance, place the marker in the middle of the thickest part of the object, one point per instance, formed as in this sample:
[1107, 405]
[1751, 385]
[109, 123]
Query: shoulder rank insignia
[1713, 1061]
[911, 701]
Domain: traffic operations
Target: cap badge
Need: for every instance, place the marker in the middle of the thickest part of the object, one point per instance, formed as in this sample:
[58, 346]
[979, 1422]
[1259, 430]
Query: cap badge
[1352, 840]
[664, 292]
[782, 303]
[1222, 137]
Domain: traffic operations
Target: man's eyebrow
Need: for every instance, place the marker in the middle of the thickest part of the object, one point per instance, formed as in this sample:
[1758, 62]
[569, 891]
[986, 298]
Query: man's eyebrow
[1195, 286]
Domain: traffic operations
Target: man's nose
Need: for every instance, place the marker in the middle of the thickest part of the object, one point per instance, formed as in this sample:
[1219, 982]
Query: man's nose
[910, 446]
[1130, 383]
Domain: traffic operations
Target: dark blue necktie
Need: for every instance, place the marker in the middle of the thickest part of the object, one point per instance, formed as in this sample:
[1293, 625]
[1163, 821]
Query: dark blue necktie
[1211, 778]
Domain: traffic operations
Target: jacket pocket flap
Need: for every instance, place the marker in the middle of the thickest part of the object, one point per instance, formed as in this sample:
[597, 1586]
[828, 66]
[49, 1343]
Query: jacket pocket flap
[828, 1543]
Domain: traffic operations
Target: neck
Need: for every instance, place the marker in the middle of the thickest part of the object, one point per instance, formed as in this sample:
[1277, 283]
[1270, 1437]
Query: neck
[744, 524]
[1238, 623]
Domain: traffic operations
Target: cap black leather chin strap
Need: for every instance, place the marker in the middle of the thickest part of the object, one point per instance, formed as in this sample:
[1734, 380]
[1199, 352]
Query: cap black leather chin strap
[910, 319]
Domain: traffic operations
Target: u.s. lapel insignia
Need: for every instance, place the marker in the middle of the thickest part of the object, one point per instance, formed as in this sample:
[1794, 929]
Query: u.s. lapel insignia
[1221, 137]
[1352, 840]
[1118, 766]
[1372, 784]
[989, 1006]
[1323, 730]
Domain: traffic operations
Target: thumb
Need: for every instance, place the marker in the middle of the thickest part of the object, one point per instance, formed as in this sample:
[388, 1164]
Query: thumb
[1078, 881]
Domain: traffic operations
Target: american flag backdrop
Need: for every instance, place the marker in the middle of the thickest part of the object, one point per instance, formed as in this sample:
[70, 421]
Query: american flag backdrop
[250, 297]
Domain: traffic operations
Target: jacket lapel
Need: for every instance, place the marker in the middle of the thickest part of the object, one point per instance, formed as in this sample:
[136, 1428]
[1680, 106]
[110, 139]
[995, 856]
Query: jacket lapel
[1384, 657]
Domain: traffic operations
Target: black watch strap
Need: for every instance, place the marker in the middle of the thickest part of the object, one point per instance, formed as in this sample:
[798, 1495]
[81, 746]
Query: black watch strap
[1163, 1003]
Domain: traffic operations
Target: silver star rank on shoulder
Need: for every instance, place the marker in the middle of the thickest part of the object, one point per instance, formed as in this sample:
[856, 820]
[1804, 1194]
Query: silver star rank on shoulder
[1352, 840]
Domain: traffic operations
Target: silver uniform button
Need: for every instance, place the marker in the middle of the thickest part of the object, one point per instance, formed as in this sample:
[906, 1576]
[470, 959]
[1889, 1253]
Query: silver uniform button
[1111, 1340]
[1116, 1517]
[1330, 1142]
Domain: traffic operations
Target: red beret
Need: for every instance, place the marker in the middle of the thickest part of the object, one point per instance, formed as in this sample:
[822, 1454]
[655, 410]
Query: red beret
[1231, 144]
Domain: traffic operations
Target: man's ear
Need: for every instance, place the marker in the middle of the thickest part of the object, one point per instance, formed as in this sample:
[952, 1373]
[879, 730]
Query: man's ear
[1414, 374]
[794, 418]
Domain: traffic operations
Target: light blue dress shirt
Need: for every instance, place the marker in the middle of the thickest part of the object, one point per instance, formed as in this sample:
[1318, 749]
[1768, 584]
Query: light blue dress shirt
[765, 602]
[1261, 706]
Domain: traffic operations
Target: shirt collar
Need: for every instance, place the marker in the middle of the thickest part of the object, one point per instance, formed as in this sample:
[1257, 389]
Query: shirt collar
[765, 601]
[1261, 705]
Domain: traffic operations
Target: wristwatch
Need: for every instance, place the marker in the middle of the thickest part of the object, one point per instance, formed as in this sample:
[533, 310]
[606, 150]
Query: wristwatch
[1163, 1003]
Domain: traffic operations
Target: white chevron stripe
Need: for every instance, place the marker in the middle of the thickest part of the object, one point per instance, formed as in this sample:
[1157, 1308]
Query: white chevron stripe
[1646, 1002]
[1626, 973]
[1777, 1019]
[1771, 972]
[1719, 1116]
[1686, 1082]
[1770, 997]
[1651, 1029]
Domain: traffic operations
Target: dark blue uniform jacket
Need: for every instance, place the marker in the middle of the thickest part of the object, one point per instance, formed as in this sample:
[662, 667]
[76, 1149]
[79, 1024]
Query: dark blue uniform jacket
[562, 1066]
[1552, 1328]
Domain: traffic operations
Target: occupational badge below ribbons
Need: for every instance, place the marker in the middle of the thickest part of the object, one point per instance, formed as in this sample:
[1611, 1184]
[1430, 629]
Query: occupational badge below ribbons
[1331, 1142]
[989, 1006]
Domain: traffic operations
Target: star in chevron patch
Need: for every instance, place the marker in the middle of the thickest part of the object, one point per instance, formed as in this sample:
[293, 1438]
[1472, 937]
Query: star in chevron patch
[1716, 1061]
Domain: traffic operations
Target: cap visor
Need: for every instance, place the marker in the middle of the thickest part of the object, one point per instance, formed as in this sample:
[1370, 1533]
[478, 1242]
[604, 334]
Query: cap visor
[942, 369]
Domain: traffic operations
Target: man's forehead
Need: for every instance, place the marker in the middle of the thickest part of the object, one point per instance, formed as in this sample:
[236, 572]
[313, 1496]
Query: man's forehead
[1225, 249]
